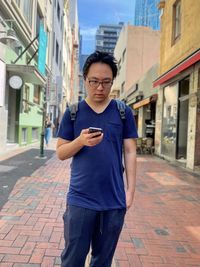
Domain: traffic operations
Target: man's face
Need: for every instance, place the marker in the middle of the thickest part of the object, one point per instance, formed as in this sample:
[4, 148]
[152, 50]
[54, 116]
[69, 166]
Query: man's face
[98, 82]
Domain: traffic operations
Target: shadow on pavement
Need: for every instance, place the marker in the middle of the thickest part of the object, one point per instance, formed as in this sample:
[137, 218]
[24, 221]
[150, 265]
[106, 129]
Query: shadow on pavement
[23, 164]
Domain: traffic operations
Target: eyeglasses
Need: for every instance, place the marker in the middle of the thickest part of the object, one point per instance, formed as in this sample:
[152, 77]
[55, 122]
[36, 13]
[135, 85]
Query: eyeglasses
[95, 84]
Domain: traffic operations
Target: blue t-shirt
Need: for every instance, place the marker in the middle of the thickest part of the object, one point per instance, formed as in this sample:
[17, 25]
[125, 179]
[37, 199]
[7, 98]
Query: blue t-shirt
[97, 172]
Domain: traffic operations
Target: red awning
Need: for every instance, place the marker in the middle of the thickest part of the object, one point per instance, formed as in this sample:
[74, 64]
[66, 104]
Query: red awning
[178, 68]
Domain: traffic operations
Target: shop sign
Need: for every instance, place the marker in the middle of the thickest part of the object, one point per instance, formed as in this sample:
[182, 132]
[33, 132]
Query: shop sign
[42, 50]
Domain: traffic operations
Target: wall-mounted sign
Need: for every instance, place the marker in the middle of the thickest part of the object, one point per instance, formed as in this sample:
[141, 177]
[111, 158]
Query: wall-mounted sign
[15, 82]
[42, 50]
[2, 83]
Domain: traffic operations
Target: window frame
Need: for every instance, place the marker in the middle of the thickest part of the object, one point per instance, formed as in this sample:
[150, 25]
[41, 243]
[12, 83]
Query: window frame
[176, 21]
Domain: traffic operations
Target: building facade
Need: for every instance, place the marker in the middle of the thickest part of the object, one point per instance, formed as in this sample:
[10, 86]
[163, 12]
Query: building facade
[23, 50]
[178, 109]
[136, 51]
[67, 57]
[107, 36]
[74, 94]
[82, 94]
[147, 14]
[56, 89]
[142, 97]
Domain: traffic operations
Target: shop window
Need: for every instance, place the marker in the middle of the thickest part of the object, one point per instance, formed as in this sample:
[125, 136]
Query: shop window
[176, 21]
[36, 97]
[169, 128]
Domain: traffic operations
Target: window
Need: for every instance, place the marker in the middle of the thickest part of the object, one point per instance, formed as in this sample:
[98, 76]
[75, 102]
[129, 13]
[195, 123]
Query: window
[58, 11]
[119, 66]
[60, 65]
[169, 120]
[24, 135]
[122, 87]
[35, 134]
[57, 51]
[27, 11]
[176, 20]
[36, 97]
[123, 55]
[39, 19]
[53, 43]
[26, 98]
[64, 68]
[18, 2]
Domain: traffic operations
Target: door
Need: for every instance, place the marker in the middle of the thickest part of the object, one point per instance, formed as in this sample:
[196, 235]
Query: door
[13, 115]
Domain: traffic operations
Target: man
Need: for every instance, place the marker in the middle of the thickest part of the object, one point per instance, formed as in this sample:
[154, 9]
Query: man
[96, 201]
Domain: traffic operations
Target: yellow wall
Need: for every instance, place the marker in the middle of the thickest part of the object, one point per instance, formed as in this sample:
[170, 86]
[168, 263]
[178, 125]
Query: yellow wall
[190, 33]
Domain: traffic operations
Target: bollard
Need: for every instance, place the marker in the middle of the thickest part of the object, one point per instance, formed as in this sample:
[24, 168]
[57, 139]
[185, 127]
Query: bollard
[42, 145]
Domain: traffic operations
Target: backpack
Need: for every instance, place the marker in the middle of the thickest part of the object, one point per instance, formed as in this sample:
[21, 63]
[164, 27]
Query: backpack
[121, 106]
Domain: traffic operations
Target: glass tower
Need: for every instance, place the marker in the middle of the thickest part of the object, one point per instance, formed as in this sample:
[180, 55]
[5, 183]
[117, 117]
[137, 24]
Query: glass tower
[147, 13]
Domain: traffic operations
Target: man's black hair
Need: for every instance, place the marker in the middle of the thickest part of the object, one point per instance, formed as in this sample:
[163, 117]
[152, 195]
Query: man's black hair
[100, 57]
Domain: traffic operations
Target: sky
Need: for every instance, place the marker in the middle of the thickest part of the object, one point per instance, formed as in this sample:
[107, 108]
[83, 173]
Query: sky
[92, 13]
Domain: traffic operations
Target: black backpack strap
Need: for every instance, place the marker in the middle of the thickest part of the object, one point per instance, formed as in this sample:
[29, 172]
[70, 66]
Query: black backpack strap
[73, 110]
[122, 109]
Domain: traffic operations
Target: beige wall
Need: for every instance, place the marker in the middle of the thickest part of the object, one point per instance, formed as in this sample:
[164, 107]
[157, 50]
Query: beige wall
[142, 46]
[190, 33]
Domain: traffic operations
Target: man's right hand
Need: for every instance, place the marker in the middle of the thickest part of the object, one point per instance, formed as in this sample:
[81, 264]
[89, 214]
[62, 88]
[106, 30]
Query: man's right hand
[90, 139]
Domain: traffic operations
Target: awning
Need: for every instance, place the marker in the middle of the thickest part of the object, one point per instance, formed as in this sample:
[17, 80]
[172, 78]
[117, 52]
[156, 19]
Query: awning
[145, 101]
[29, 74]
[192, 59]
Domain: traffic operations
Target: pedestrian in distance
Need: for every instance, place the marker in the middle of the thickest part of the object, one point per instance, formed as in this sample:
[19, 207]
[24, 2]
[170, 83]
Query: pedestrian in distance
[97, 199]
[48, 130]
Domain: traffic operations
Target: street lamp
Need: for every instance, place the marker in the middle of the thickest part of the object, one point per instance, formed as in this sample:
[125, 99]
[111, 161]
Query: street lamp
[9, 35]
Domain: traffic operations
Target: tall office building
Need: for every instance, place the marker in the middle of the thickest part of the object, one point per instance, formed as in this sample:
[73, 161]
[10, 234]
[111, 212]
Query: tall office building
[147, 14]
[107, 36]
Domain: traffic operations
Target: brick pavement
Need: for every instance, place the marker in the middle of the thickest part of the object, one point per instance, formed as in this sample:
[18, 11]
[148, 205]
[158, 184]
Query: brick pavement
[162, 229]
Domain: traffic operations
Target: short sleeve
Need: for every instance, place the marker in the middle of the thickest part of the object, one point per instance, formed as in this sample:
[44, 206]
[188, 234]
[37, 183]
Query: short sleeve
[66, 128]
[129, 128]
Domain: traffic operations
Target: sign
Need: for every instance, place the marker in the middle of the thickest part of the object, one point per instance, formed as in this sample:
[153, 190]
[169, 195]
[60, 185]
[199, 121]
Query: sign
[2, 83]
[15, 82]
[42, 50]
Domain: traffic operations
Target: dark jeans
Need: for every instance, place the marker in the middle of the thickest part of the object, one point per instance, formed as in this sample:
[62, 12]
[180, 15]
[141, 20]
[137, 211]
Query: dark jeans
[83, 227]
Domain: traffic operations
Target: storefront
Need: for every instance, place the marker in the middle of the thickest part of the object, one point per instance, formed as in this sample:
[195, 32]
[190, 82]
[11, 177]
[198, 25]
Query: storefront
[24, 102]
[178, 116]
[146, 110]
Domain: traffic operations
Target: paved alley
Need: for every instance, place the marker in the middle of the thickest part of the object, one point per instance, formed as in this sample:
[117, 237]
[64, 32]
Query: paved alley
[162, 229]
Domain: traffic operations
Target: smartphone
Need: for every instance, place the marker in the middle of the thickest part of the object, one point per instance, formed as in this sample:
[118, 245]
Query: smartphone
[94, 130]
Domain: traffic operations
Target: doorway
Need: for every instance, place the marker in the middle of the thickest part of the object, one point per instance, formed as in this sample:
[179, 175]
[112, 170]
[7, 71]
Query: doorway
[13, 115]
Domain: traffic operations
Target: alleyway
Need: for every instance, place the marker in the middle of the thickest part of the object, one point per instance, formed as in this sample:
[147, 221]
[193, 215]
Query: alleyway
[162, 229]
